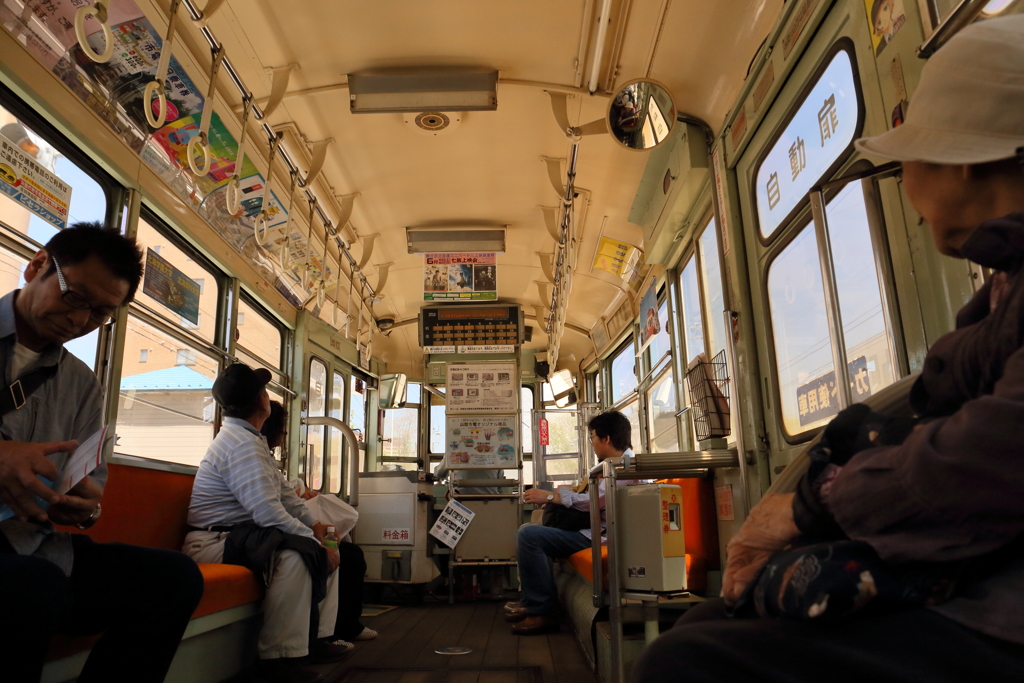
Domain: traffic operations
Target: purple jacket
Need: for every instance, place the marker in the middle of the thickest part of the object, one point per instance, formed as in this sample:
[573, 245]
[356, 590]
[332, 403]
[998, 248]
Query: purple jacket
[954, 490]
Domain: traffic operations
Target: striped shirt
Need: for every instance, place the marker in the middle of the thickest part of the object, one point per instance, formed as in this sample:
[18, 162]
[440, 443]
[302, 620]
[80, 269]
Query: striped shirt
[237, 482]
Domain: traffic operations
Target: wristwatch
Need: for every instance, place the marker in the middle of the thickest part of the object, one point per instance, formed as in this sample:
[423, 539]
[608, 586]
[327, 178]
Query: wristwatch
[92, 518]
[551, 497]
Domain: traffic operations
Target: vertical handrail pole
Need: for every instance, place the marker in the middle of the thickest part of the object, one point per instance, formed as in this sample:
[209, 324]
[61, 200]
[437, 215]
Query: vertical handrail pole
[614, 600]
[595, 538]
[832, 312]
[734, 400]
[353, 447]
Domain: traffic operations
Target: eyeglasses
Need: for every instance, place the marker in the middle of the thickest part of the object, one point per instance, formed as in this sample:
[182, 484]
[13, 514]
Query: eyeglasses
[97, 315]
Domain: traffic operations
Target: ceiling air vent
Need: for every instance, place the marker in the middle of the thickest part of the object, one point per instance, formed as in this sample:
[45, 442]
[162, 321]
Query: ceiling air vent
[442, 239]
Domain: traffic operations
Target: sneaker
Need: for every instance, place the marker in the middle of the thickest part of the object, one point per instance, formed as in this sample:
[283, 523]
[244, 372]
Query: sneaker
[366, 634]
[513, 605]
[326, 651]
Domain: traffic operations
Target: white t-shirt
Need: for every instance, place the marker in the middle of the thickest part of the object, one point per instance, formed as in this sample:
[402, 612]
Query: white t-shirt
[24, 359]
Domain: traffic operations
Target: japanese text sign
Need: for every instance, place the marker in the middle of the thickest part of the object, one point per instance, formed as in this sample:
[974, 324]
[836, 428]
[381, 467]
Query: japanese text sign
[171, 287]
[30, 184]
[452, 523]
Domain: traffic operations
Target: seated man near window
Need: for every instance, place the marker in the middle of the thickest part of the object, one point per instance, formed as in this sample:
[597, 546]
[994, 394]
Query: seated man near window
[141, 599]
[937, 595]
[535, 613]
[243, 512]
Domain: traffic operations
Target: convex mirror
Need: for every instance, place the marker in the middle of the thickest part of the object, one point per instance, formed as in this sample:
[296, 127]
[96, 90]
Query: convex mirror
[642, 115]
[392, 391]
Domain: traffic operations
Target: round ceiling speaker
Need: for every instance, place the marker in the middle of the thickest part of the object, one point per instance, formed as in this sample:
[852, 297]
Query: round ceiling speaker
[433, 123]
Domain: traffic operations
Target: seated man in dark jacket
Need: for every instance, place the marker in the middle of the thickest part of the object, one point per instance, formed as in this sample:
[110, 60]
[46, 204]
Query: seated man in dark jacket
[243, 512]
[950, 493]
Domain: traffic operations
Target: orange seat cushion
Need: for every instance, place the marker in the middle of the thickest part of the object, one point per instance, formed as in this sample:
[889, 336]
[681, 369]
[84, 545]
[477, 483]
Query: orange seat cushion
[583, 562]
[226, 586]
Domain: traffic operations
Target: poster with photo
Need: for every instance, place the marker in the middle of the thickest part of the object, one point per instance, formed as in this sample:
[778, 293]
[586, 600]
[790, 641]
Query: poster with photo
[481, 441]
[482, 388]
[469, 276]
[650, 324]
[452, 523]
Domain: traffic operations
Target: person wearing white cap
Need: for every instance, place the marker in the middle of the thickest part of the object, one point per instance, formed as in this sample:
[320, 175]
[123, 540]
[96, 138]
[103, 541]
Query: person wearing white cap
[946, 496]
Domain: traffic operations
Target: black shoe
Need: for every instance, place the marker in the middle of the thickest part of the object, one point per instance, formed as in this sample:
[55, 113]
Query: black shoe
[326, 651]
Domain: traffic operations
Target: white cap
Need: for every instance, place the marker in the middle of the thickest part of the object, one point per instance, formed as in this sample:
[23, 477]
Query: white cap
[969, 106]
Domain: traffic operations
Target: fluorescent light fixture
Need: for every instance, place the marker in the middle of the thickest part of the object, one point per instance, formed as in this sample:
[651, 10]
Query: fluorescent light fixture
[418, 90]
[458, 239]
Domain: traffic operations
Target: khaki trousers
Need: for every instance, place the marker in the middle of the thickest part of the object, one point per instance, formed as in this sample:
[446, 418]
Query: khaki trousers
[285, 631]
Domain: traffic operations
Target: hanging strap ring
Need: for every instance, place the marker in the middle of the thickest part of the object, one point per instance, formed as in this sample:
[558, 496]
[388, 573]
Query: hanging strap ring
[260, 229]
[203, 139]
[157, 85]
[98, 12]
[234, 194]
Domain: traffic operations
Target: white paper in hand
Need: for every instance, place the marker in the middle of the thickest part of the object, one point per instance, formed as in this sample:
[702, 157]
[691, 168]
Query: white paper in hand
[87, 457]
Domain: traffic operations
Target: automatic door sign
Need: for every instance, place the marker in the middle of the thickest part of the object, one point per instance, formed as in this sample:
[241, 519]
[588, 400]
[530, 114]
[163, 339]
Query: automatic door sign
[452, 523]
[37, 189]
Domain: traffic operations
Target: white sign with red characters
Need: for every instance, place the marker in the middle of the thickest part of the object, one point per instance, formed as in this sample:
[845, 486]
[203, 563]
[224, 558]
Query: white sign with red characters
[397, 536]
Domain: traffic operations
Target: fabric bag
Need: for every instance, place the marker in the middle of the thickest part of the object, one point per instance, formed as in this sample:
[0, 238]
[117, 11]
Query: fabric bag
[558, 516]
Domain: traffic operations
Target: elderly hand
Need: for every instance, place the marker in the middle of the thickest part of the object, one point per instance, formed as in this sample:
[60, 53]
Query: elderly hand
[78, 504]
[333, 560]
[768, 529]
[20, 463]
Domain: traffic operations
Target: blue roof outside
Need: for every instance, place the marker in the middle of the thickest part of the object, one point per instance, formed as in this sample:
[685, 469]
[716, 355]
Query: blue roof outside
[179, 378]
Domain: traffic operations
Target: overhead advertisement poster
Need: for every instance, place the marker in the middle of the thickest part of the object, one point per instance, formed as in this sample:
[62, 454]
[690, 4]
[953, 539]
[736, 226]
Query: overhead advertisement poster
[622, 260]
[34, 187]
[171, 287]
[482, 388]
[650, 324]
[481, 441]
[467, 276]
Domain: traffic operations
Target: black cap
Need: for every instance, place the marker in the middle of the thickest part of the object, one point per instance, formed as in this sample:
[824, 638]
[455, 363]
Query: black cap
[239, 385]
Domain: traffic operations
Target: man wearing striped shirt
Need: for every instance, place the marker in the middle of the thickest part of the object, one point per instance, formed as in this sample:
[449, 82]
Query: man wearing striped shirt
[238, 489]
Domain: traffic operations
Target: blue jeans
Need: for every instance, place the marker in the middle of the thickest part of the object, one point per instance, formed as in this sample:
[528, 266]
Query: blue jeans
[536, 544]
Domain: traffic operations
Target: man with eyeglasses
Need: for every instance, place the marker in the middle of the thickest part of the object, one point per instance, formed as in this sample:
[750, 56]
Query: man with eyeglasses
[141, 599]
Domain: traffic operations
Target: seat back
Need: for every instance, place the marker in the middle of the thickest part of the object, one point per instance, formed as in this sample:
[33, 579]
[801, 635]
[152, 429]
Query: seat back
[143, 507]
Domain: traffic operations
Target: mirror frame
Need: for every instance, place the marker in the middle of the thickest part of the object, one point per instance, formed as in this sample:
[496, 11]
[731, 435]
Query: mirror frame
[673, 118]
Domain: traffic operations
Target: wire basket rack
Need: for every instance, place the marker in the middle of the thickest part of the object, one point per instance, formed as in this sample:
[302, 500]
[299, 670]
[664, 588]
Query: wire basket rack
[708, 382]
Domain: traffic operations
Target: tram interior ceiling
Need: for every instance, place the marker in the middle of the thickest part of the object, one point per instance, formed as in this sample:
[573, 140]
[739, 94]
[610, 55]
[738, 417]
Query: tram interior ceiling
[455, 234]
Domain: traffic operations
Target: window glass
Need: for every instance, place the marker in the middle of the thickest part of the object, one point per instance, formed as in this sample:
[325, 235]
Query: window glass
[661, 414]
[661, 343]
[526, 422]
[713, 291]
[315, 441]
[693, 320]
[438, 411]
[868, 340]
[632, 413]
[821, 129]
[88, 200]
[335, 437]
[401, 430]
[562, 435]
[258, 336]
[624, 378]
[165, 409]
[807, 383]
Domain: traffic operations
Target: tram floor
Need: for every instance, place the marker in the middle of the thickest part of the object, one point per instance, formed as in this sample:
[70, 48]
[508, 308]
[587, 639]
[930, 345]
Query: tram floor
[404, 652]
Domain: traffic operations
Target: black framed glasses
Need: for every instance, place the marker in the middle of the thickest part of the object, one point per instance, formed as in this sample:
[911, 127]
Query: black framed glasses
[98, 316]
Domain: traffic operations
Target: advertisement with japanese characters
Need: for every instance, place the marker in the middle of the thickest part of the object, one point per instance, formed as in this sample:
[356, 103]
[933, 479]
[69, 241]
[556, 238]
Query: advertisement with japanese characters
[482, 388]
[171, 287]
[29, 184]
[469, 276]
[483, 441]
[819, 398]
[650, 325]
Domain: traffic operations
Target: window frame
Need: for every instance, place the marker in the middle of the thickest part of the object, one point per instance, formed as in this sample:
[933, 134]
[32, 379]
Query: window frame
[883, 261]
[404, 459]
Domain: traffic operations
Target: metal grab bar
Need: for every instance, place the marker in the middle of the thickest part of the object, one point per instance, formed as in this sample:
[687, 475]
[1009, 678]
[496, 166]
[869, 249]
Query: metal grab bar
[687, 460]
[964, 14]
[353, 445]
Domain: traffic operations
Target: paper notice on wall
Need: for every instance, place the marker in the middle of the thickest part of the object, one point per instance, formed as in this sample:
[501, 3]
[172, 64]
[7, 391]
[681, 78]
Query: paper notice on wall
[482, 388]
[452, 523]
[723, 499]
[34, 187]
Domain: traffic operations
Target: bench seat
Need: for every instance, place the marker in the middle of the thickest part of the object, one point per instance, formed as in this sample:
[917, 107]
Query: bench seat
[149, 507]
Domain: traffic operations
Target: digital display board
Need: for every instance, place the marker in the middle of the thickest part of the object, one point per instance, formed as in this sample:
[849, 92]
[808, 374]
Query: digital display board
[466, 326]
